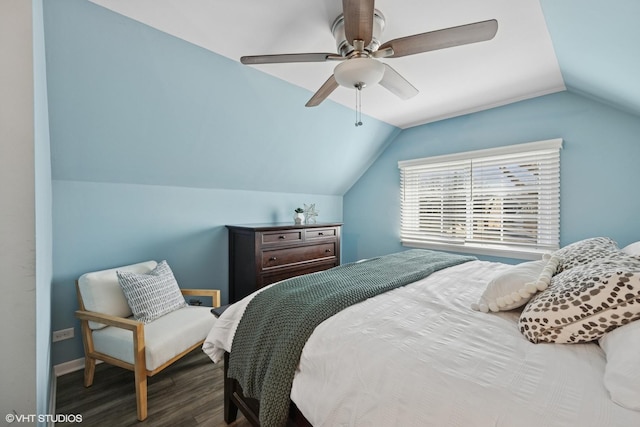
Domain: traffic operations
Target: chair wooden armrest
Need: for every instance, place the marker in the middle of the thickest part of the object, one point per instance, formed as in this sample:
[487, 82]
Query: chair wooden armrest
[119, 322]
[213, 293]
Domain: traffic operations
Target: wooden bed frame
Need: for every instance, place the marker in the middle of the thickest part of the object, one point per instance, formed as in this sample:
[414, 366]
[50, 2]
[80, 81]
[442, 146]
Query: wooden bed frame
[250, 408]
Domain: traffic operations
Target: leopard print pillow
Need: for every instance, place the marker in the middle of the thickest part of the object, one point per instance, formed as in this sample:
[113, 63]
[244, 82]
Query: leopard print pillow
[584, 252]
[585, 302]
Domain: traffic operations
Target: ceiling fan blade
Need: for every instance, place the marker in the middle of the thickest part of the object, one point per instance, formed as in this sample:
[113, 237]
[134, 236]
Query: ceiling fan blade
[290, 57]
[441, 39]
[325, 90]
[396, 84]
[358, 20]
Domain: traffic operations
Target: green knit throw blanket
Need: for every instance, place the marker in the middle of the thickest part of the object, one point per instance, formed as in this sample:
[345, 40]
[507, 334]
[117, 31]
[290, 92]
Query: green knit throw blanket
[278, 321]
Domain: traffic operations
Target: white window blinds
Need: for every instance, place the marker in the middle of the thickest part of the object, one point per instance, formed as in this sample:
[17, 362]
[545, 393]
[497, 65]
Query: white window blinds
[503, 201]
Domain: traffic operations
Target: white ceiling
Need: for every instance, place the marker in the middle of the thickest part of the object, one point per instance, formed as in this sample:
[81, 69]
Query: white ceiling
[519, 63]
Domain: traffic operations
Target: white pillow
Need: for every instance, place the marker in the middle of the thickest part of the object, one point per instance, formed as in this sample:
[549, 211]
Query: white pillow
[632, 249]
[622, 372]
[516, 286]
[102, 293]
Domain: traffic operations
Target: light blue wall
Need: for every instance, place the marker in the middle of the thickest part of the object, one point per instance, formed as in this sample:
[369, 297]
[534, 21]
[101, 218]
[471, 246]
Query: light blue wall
[43, 217]
[599, 168]
[103, 225]
[601, 64]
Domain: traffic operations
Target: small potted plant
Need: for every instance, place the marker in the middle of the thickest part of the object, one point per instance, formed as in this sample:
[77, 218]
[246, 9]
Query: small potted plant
[298, 216]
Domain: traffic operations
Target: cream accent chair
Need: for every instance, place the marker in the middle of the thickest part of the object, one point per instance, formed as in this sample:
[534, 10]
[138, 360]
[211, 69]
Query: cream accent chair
[110, 333]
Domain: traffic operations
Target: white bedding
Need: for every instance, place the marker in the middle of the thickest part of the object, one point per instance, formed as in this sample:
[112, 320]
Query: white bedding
[419, 356]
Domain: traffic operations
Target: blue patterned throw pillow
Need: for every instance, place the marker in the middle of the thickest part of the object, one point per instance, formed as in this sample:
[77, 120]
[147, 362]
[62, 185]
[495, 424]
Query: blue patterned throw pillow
[153, 294]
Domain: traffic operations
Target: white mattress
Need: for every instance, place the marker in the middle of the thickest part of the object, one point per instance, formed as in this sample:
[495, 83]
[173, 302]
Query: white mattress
[419, 356]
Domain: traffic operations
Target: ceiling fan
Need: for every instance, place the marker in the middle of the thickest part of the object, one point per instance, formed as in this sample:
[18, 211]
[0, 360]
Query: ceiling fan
[357, 31]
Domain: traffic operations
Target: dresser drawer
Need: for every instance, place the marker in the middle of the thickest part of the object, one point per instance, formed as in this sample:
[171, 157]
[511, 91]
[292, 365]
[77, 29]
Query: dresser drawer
[320, 233]
[278, 275]
[282, 237]
[281, 257]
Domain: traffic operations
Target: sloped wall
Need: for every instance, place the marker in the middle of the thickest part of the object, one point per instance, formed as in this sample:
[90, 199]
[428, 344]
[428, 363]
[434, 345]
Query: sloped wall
[130, 104]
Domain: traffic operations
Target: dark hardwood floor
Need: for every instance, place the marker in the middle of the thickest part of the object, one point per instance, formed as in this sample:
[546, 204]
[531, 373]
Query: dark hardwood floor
[188, 393]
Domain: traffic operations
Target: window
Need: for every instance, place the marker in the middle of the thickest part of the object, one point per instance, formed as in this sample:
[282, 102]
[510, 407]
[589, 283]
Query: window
[503, 201]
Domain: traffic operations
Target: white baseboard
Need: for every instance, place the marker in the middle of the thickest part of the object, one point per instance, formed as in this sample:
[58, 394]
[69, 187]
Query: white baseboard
[70, 366]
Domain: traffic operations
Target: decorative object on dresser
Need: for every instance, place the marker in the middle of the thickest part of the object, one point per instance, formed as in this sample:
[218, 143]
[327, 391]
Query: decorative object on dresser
[310, 213]
[298, 216]
[261, 254]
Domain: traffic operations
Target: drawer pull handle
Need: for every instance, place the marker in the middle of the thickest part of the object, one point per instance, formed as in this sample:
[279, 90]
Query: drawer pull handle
[273, 258]
[328, 250]
[282, 237]
[321, 234]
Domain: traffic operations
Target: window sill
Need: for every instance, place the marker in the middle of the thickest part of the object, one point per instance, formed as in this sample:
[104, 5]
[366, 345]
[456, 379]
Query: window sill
[515, 253]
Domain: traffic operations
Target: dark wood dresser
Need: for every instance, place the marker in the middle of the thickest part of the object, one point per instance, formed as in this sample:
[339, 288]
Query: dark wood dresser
[261, 254]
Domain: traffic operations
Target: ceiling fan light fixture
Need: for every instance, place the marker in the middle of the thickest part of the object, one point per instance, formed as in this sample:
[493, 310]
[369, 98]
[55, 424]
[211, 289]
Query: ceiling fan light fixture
[359, 72]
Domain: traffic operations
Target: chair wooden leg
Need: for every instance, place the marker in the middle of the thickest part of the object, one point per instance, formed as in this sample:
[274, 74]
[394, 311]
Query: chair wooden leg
[141, 393]
[89, 371]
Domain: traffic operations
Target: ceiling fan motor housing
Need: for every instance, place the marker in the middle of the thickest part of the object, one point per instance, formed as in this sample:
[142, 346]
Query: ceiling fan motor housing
[345, 47]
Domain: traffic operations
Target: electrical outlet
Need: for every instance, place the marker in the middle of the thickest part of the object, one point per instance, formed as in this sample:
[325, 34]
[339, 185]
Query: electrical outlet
[62, 334]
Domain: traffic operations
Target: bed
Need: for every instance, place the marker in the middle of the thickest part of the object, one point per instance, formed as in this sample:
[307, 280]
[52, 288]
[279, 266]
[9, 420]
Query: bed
[455, 349]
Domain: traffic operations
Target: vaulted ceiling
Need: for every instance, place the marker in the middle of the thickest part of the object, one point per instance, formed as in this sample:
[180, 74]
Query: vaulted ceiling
[588, 45]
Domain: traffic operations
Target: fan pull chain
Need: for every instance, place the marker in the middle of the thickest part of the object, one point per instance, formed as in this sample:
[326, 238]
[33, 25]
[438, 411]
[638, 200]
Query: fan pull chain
[359, 87]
